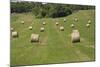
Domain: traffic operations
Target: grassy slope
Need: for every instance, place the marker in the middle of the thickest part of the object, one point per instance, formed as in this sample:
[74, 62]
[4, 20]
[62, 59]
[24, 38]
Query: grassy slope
[55, 46]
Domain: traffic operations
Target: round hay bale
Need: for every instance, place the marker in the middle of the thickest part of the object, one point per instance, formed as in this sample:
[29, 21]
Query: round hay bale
[87, 25]
[76, 19]
[44, 23]
[34, 37]
[30, 27]
[14, 34]
[64, 20]
[75, 36]
[62, 28]
[57, 23]
[42, 29]
[12, 29]
[22, 22]
[72, 25]
[89, 21]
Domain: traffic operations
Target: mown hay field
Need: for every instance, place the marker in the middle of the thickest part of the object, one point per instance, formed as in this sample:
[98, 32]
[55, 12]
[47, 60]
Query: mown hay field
[55, 46]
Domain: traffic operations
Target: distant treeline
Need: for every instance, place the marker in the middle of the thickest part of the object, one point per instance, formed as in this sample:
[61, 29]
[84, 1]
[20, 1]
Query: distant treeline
[47, 9]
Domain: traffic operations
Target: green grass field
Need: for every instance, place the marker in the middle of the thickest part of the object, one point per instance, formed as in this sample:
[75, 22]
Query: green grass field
[55, 46]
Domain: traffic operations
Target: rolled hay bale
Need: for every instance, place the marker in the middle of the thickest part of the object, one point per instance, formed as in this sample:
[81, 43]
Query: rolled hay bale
[42, 29]
[72, 25]
[64, 20]
[87, 25]
[76, 19]
[22, 22]
[89, 21]
[75, 36]
[34, 37]
[57, 23]
[61, 28]
[12, 29]
[44, 23]
[14, 34]
[30, 27]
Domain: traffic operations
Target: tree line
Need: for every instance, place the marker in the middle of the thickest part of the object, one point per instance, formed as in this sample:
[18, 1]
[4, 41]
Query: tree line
[41, 10]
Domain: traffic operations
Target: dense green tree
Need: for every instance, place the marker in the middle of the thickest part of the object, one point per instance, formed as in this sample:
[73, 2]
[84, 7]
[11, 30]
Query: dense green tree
[47, 10]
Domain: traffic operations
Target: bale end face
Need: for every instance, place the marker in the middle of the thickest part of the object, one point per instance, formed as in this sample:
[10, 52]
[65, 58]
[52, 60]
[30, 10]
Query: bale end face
[89, 21]
[64, 20]
[72, 25]
[22, 22]
[35, 38]
[14, 34]
[75, 40]
[61, 28]
[87, 25]
[57, 23]
[42, 29]
[75, 36]
[76, 20]
[44, 23]
[30, 27]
